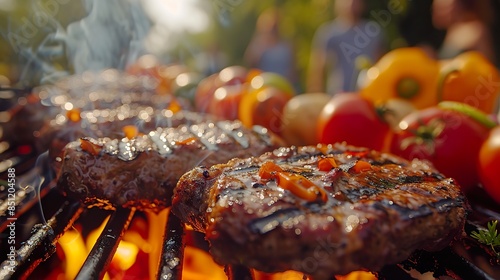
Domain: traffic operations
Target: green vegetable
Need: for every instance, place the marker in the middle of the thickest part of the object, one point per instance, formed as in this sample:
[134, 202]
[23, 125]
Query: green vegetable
[489, 237]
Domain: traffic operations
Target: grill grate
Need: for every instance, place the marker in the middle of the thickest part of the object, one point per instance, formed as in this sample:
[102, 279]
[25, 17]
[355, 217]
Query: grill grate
[100, 256]
[170, 266]
[40, 244]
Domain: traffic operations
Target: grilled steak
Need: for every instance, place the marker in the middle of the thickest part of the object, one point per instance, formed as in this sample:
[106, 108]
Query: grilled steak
[142, 171]
[322, 210]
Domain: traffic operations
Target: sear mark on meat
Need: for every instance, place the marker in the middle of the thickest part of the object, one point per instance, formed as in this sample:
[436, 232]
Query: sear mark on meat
[142, 172]
[375, 213]
[268, 223]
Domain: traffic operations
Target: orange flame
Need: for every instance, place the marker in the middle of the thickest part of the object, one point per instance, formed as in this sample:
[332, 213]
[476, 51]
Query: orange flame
[157, 223]
[76, 249]
[126, 252]
[197, 263]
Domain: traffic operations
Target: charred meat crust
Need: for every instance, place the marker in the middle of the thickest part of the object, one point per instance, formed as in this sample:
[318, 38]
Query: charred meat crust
[142, 172]
[371, 218]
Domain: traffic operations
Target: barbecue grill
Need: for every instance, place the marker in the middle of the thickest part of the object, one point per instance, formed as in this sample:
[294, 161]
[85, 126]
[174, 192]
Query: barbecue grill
[34, 215]
[36, 234]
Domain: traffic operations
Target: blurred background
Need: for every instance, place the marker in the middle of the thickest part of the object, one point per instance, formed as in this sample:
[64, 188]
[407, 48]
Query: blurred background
[45, 39]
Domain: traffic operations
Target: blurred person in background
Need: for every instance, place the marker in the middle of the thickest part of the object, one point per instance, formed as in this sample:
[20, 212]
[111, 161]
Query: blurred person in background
[268, 50]
[417, 28]
[469, 27]
[338, 44]
[467, 24]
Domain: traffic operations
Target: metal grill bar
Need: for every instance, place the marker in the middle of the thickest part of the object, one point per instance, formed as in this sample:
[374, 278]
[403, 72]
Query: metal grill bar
[23, 202]
[393, 272]
[25, 197]
[444, 263]
[172, 254]
[100, 256]
[41, 244]
[238, 272]
[448, 258]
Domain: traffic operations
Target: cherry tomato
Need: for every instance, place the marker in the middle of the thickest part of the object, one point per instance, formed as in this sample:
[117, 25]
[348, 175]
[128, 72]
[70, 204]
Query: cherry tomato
[449, 139]
[489, 164]
[351, 118]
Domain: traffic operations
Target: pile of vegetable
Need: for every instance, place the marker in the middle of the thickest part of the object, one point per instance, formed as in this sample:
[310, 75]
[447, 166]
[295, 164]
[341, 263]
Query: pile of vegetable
[407, 103]
[418, 107]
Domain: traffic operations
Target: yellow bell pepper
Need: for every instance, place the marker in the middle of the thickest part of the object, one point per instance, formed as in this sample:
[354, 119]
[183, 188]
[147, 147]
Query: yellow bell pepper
[406, 73]
[469, 78]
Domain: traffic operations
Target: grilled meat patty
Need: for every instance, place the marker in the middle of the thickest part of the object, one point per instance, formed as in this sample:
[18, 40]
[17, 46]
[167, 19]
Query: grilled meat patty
[142, 172]
[93, 99]
[322, 210]
[142, 120]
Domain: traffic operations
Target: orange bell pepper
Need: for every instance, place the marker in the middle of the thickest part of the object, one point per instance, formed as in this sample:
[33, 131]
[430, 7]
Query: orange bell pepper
[90, 147]
[469, 78]
[405, 73]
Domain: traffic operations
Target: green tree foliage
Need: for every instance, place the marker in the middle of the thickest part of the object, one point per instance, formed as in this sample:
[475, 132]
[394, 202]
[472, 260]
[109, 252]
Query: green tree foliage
[235, 24]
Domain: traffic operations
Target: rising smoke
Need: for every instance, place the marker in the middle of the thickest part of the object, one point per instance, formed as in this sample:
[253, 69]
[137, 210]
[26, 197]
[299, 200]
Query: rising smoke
[111, 34]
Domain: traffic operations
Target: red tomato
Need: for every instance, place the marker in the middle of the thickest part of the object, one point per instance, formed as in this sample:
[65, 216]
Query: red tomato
[205, 92]
[351, 118]
[268, 111]
[233, 75]
[450, 140]
[226, 100]
[149, 65]
[228, 77]
[489, 164]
